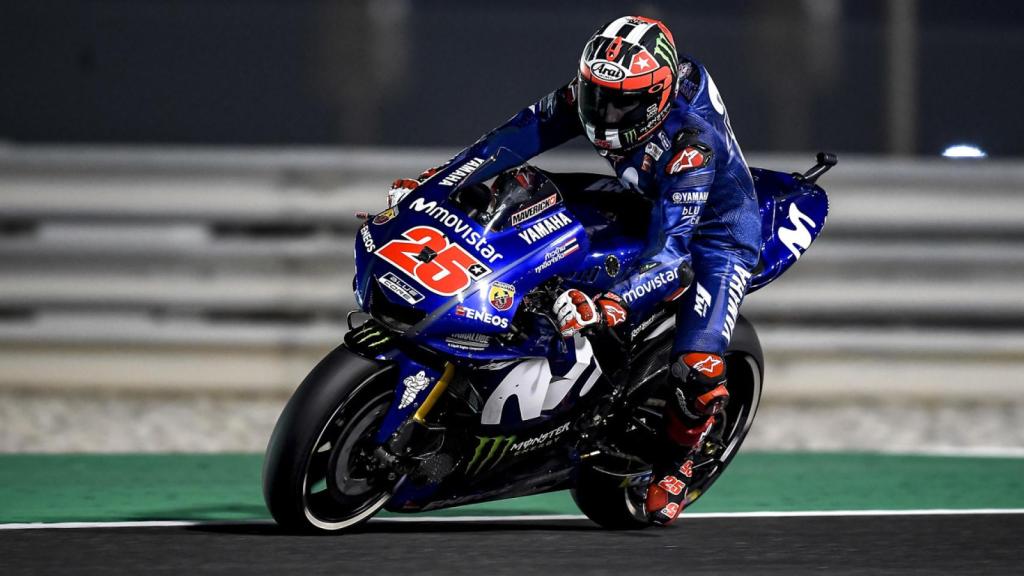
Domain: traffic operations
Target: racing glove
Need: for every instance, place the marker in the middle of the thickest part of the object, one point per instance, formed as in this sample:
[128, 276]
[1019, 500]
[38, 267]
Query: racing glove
[400, 189]
[576, 311]
[403, 186]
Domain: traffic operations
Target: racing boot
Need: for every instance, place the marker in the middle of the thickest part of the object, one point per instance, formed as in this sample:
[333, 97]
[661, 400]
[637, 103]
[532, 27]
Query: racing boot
[700, 393]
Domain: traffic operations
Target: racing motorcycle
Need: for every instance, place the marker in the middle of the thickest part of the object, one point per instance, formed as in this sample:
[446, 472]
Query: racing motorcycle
[454, 385]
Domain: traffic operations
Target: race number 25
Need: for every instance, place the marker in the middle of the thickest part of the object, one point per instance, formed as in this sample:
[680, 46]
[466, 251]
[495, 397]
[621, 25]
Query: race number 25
[447, 273]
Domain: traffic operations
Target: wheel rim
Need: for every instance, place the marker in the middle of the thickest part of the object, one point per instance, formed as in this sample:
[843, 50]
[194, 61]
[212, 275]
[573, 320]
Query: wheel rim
[340, 487]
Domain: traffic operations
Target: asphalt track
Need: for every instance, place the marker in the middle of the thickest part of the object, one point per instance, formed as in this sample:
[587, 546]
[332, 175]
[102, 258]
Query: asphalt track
[954, 544]
[774, 513]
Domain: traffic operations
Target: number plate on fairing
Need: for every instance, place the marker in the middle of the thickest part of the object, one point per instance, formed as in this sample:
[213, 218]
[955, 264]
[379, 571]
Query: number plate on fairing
[449, 268]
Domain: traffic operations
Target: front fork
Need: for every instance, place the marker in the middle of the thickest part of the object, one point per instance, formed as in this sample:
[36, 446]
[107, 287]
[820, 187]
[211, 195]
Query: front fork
[405, 435]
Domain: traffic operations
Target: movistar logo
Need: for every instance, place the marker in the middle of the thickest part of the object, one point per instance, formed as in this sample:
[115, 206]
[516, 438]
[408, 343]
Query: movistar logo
[798, 238]
[665, 49]
[371, 338]
[489, 452]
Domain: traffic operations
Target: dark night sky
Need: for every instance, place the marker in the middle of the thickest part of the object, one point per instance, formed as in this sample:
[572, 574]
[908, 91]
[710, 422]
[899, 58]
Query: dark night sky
[443, 72]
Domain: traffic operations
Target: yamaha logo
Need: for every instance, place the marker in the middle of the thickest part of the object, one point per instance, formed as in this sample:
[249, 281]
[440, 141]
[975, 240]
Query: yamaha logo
[607, 71]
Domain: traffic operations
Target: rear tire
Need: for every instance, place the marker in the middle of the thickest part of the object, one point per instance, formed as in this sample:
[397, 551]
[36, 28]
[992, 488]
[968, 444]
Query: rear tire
[599, 493]
[608, 497]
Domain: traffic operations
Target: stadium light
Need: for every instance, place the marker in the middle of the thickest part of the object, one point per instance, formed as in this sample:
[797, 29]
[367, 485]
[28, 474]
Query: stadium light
[958, 151]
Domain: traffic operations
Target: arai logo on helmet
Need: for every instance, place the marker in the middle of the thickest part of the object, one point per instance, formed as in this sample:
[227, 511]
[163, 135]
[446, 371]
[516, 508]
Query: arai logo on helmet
[607, 71]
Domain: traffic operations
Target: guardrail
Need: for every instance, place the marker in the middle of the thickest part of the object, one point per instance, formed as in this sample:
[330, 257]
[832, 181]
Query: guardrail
[231, 269]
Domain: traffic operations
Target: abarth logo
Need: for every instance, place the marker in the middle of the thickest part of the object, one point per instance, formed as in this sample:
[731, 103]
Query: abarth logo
[501, 295]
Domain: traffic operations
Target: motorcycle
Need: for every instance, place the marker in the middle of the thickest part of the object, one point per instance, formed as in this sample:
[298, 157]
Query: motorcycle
[454, 385]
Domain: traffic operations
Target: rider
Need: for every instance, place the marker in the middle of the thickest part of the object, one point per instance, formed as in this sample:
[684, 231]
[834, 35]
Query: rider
[659, 120]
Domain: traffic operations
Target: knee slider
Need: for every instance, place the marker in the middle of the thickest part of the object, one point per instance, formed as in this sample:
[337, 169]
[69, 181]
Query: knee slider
[700, 386]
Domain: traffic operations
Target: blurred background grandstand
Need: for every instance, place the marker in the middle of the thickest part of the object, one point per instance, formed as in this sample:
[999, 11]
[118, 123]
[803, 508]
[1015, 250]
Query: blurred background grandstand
[178, 182]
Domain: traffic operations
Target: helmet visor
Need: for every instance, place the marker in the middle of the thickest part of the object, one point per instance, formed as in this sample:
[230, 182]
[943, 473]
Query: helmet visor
[608, 108]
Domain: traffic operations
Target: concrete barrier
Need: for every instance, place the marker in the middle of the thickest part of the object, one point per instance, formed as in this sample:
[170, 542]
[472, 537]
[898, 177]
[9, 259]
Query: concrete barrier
[228, 272]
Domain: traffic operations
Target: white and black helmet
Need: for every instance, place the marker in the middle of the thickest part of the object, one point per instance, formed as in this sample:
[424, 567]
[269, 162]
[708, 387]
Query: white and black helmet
[628, 77]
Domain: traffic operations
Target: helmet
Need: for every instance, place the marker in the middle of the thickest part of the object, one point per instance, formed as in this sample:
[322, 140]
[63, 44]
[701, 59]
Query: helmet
[628, 78]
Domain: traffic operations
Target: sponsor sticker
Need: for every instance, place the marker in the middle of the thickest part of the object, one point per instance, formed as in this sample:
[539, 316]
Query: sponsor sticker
[544, 227]
[531, 211]
[653, 283]
[647, 267]
[426, 255]
[645, 324]
[481, 316]
[607, 71]
[707, 364]
[491, 450]
[737, 288]
[364, 234]
[689, 197]
[689, 158]
[702, 301]
[468, 340]
[461, 172]
[654, 150]
[558, 254]
[403, 289]
[414, 384]
[798, 238]
[663, 138]
[501, 295]
[385, 216]
[459, 227]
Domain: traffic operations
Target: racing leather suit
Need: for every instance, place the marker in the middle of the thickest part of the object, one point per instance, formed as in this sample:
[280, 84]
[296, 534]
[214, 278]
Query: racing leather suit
[705, 226]
[693, 171]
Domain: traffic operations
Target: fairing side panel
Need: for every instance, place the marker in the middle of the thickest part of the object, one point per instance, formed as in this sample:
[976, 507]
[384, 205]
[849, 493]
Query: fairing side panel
[793, 213]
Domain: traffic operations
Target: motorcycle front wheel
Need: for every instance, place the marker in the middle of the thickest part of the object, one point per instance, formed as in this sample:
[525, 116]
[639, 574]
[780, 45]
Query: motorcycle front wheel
[320, 473]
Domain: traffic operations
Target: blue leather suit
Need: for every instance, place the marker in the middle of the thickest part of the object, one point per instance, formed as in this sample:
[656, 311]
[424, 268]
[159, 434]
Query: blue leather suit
[705, 212]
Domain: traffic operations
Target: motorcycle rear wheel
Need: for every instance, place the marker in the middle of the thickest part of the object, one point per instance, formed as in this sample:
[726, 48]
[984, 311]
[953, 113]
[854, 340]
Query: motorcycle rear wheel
[606, 495]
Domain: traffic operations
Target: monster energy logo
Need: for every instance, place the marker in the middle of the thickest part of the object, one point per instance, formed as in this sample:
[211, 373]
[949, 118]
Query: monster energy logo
[371, 338]
[489, 447]
[665, 49]
[490, 450]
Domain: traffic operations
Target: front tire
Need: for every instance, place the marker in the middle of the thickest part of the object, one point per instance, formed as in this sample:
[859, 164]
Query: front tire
[318, 474]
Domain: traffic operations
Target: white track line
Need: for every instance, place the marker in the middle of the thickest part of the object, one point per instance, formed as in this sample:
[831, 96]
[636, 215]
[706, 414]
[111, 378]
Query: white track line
[521, 518]
[73, 525]
[960, 451]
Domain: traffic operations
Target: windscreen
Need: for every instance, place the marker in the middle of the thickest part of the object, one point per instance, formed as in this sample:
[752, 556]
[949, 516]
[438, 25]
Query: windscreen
[513, 196]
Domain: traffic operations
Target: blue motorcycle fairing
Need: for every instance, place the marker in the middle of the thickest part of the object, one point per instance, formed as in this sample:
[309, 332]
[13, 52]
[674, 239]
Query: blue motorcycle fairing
[523, 404]
[528, 405]
[793, 213]
[510, 262]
